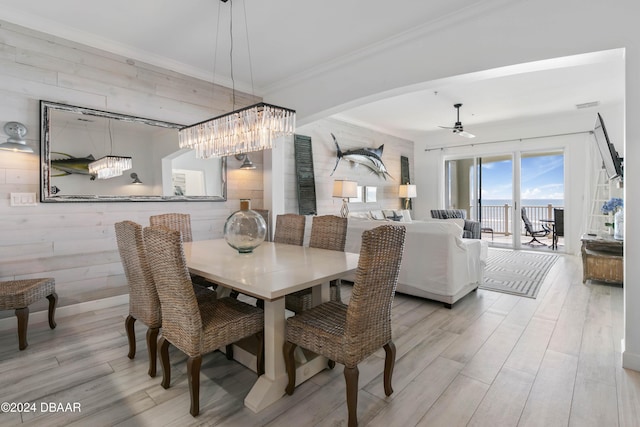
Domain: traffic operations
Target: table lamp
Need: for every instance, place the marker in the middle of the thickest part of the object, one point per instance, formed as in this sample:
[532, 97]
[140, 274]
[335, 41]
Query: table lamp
[345, 189]
[407, 192]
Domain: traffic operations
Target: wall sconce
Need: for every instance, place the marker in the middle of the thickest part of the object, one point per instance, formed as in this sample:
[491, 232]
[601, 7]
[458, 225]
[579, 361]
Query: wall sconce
[345, 189]
[135, 178]
[407, 192]
[247, 164]
[15, 143]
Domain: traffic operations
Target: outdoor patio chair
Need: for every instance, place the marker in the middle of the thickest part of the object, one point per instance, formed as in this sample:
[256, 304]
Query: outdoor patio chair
[534, 233]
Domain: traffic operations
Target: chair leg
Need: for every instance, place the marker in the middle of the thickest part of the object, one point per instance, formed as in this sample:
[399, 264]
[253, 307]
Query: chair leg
[53, 302]
[129, 326]
[260, 354]
[351, 379]
[22, 314]
[152, 349]
[290, 365]
[164, 362]
[193, 373]
[389, 363]
[229, 351]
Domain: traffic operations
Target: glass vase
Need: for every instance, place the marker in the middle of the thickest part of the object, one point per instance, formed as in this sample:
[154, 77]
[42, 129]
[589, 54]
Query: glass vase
[245, 229]
[618, 225]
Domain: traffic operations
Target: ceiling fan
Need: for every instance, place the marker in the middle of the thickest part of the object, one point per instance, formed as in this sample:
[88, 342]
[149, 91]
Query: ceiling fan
[457, 128]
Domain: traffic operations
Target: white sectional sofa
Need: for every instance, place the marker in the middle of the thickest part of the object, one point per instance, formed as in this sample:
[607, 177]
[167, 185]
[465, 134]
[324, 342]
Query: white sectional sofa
[437, 263]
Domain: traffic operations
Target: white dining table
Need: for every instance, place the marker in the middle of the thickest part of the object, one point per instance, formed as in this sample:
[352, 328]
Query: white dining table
[270, 272]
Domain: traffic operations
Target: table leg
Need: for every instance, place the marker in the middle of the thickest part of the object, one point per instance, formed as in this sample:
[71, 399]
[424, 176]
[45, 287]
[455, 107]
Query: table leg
[320, 293]
[270, 387]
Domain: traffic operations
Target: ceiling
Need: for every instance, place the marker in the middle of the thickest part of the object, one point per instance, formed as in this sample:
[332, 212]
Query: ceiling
[289, 38]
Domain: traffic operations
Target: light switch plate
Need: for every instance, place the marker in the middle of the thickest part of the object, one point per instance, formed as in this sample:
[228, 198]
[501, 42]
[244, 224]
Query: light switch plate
[23, 199]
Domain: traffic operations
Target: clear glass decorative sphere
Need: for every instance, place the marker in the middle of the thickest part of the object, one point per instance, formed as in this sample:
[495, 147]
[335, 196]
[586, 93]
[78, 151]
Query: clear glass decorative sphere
[245, 229]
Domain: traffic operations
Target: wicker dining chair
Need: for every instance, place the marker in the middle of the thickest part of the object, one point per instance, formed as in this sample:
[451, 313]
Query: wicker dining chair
[195, 329]
[174, 221]
[348, 334]
[327, 232]
[19, 294]
[290, 229]
[144, 304]
[182, 223]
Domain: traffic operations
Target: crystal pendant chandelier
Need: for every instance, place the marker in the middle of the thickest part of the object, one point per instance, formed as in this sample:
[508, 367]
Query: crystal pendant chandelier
[252, 128]
[110, 166]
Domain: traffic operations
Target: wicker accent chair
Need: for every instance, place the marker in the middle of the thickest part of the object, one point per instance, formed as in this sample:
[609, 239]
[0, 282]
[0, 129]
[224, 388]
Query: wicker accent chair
[534, 233]
[327, 232]
[194, 328]
[349, 334]
[290, 229]
[18, 295]
[144, 304]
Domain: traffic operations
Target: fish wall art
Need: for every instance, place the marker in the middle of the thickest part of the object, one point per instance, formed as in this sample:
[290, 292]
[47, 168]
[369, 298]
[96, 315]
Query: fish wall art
[371, 158]
[73, 165]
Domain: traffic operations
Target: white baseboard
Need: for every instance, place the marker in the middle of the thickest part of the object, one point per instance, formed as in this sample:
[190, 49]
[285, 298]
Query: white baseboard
[631, 360]
[69, 310]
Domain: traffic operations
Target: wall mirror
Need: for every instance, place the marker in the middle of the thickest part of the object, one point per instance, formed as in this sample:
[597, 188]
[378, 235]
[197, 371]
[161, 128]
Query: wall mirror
[73, 137]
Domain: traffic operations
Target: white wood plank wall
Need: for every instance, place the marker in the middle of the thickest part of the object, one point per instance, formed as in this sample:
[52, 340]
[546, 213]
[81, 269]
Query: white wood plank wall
[75, 242]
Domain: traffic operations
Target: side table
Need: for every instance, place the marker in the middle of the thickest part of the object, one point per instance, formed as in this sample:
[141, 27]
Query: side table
[602, 259]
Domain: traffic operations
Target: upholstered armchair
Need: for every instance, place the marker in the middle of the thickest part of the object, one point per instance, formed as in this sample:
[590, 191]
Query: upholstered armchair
[471, 228]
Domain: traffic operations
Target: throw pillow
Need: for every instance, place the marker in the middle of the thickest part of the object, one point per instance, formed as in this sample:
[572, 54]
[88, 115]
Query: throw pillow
[406, 215]
[395, 217]
[377, 214]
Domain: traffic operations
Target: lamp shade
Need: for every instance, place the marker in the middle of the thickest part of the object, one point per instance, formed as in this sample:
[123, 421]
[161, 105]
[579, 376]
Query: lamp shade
[345, 189]
[407, 191]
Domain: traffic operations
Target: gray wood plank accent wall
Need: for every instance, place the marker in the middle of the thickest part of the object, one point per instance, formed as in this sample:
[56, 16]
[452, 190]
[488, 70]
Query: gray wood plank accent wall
[75, 243]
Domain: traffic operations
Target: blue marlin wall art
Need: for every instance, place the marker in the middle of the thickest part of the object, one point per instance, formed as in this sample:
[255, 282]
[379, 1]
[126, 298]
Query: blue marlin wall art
[368, 157]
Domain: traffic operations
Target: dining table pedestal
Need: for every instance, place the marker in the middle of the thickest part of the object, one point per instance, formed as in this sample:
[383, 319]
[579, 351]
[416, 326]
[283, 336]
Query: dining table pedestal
[270, 273]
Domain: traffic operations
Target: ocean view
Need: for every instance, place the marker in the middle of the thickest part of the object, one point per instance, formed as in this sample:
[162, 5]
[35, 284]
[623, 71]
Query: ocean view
[525, 202]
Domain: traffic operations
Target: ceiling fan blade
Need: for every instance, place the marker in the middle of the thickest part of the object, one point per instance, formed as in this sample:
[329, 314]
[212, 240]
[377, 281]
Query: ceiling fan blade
[466, 134]
[446, 127]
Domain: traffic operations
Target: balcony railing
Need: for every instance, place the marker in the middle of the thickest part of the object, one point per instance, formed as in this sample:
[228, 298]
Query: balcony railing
[499, 218]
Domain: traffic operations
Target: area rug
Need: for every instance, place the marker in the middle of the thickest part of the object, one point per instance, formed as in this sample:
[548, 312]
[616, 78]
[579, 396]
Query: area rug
[516, 272]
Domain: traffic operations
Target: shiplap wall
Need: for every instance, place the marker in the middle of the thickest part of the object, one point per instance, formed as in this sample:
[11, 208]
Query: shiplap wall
[75, 242]
[324, 160]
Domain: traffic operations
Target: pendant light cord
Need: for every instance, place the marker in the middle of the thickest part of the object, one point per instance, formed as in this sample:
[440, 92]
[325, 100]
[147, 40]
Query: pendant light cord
[233, 83]
[246, 29]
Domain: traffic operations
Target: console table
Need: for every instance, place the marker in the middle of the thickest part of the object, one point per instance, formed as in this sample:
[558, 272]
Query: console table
[602, 259]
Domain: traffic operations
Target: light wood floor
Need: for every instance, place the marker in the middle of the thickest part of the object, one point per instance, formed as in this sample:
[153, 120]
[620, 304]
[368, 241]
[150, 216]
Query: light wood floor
[493, 360]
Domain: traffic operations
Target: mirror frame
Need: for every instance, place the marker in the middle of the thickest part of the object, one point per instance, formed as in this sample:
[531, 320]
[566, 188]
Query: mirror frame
[45, 159]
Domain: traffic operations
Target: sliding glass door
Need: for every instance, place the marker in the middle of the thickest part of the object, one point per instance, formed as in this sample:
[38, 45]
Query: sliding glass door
[496, 199]
[493, 190]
